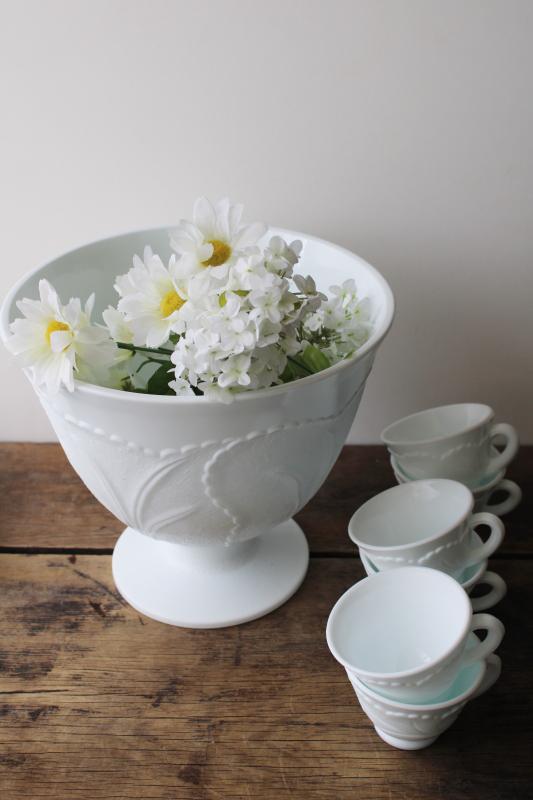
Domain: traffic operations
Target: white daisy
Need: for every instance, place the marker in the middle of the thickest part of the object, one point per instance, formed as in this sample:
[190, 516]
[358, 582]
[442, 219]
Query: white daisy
[116, 324]
[215, 238]
[151, 299]
[56, 341]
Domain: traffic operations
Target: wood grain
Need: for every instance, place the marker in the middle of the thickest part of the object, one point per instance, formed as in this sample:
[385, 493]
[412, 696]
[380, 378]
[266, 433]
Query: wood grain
[98, 702]
[45, 505]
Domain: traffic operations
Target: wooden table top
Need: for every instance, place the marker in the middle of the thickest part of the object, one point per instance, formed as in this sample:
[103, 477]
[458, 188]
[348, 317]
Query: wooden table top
[100, 702]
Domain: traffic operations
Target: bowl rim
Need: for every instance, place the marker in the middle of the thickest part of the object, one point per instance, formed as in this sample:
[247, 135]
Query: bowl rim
[93, 390]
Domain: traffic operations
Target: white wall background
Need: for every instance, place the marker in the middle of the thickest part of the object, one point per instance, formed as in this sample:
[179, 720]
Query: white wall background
[402, 129]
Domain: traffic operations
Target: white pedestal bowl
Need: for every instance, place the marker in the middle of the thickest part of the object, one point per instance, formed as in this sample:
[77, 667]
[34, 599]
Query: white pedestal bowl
[207, 490]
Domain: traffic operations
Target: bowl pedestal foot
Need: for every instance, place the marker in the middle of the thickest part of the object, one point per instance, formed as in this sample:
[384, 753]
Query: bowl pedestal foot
[210, 587]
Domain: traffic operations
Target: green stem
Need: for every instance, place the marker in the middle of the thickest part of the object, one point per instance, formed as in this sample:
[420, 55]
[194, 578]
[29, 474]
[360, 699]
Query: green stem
[164, 351]
[135, 347]
[150, 361]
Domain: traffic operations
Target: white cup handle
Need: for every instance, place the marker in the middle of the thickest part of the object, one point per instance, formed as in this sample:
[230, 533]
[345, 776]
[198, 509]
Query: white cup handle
[492, 673]
[515, 495]
[498, 590]
[497, 532]
[501, 460]
[495, 633]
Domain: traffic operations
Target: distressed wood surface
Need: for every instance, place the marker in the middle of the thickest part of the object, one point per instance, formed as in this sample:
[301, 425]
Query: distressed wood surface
[100, 703]
[45, 505]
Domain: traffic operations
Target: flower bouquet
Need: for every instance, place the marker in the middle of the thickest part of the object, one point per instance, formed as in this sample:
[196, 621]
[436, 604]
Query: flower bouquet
[226, 314]
[132, 380]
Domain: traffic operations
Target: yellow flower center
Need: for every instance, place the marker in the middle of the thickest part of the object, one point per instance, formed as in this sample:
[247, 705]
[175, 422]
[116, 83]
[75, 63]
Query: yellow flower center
[54, 326]
[170, 303]
[221, 253]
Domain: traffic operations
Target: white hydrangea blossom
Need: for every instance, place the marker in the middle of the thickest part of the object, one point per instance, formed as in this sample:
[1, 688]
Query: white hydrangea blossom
[240, 326]
[341, 324]
[181, 387]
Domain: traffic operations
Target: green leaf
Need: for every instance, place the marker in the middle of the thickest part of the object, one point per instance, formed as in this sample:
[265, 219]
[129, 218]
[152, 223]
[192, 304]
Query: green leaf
[222, 299]
[293, 371]
[288, 373]
[314, 359]
[158, 382]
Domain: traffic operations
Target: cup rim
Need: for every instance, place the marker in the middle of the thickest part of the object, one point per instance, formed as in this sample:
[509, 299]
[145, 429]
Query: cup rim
[399, 704]
[92, 390]
[346, 597]
[477, 577]
[382, 548]
[387, 439]
[477, 490]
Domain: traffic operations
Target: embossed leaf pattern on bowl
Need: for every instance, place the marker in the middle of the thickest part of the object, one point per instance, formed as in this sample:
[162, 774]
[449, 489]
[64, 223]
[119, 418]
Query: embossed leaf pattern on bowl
[159, 493]
[264, 479]
[211, 493]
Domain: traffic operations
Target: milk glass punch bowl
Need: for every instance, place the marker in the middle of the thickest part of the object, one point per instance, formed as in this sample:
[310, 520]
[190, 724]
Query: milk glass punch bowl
[207, 490]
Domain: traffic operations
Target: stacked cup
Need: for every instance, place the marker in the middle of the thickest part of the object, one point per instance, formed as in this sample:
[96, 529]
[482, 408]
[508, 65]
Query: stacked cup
[430, 523]
[406, 638]
[406, 633]
[458, 442]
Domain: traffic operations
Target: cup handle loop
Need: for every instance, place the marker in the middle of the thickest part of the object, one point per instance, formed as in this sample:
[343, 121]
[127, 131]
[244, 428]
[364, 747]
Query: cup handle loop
[497, 532]
[510, 435]
[498, 590]
[492, 673]
[515, 495]
[495, 633]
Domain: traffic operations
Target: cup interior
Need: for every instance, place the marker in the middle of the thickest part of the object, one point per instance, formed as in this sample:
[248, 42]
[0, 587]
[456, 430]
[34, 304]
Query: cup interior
[398, 621]
[410, 513]
[436, 423]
